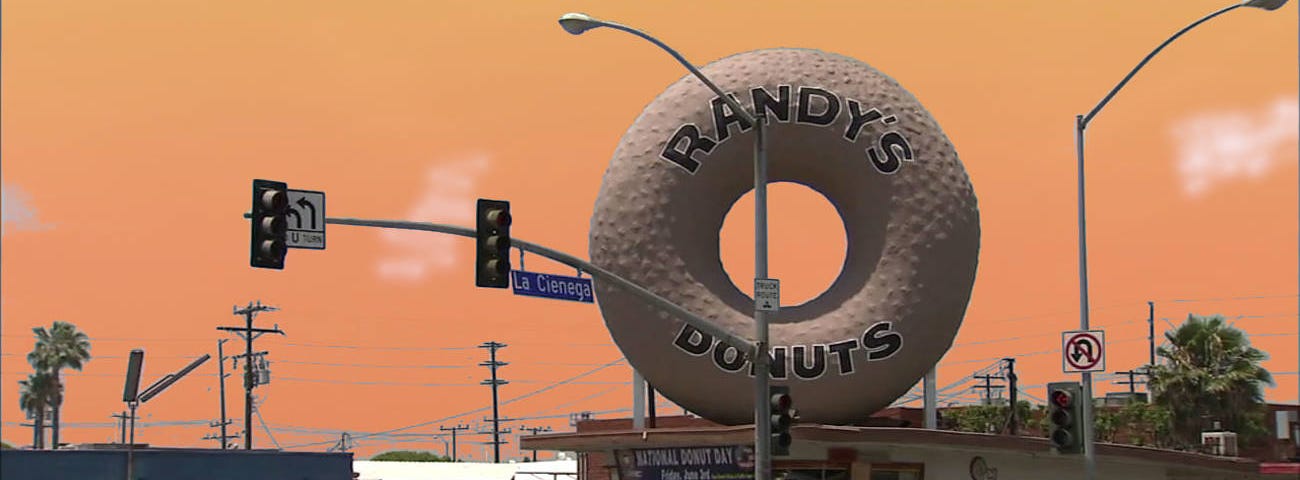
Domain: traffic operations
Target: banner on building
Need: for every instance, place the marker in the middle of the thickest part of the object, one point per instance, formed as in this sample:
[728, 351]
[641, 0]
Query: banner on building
[733, 462]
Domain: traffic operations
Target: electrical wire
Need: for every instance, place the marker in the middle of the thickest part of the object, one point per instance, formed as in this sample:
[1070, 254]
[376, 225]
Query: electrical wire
[480, 409]
[258, 411]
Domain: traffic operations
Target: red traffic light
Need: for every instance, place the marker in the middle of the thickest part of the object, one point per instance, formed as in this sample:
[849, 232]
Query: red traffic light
[1062, 398]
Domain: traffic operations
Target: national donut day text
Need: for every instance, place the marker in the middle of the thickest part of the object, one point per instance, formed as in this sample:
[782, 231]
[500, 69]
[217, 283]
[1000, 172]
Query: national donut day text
[808, 362]
[681, 147]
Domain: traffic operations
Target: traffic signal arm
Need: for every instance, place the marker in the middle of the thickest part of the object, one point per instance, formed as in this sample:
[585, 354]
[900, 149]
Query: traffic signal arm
[725, 336]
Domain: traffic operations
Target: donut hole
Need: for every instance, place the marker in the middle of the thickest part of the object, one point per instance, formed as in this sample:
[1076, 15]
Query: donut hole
[806, 242]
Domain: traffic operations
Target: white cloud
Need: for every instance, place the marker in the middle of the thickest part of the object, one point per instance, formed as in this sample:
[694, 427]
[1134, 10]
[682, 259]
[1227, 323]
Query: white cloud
[448, 197]
[1220, 146]
[16, 210]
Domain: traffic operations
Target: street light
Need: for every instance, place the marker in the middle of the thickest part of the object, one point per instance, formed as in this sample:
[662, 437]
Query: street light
[1081, 124]
[577, 24]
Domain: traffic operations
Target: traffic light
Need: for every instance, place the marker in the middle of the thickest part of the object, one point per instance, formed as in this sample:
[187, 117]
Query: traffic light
[1065, 410]
[783, 416]
[492, 264]
[269, 223]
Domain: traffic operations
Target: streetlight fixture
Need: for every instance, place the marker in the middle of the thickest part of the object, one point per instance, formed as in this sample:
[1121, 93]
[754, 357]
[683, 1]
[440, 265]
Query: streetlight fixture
[577, 24]
[1081, 124]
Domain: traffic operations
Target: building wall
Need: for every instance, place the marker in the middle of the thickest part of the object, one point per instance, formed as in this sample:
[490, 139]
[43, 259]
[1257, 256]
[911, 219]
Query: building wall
[178, 464]
[956, 464]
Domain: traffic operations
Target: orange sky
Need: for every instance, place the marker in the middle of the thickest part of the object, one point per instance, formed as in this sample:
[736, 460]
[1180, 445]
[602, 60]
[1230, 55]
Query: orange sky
[132, 130]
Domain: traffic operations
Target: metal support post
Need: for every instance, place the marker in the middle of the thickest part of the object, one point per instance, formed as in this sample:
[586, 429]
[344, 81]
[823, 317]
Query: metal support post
[638, 400]
[762, 378]
[931, 399]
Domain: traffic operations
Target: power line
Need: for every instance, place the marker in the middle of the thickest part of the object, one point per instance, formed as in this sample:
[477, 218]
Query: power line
[371, 365]
[477, 410]
[370, 347]
[1226, 299]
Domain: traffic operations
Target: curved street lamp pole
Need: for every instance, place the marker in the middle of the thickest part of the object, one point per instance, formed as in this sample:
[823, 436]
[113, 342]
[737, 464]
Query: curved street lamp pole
[1081, 124]
[577, 23]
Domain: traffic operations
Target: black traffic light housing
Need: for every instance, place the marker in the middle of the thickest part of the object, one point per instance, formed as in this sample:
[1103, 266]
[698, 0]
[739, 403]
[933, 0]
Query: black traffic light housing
[1065, 416]
[492, 262]
[783, 415]
[269, 224]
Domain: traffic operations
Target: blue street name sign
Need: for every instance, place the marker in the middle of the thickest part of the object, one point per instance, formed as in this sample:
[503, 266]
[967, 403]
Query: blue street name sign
[545, 285]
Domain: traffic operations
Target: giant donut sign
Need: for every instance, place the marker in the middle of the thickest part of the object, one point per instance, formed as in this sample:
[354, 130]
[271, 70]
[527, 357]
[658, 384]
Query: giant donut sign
[843, 129]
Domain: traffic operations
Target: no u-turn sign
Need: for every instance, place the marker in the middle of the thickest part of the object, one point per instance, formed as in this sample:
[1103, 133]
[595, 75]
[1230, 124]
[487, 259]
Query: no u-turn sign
[1083, 351]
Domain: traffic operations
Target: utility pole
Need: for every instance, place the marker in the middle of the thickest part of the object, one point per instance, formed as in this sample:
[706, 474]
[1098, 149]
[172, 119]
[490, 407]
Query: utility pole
[1012, 393]
[221, 383]
[987, 387]
[247, 331]
[496, 441]
[493, 364]
[121, 425]
[453, 430]
[1132, 382]
[1151, 333]
[534, 431]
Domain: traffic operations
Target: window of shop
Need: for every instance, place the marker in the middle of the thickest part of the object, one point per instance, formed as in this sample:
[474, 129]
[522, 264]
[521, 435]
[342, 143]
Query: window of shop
[809, 470]
[897, 471]
[835, 471]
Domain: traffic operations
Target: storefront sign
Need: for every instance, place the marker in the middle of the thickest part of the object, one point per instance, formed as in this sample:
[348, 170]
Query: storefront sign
[735, 462]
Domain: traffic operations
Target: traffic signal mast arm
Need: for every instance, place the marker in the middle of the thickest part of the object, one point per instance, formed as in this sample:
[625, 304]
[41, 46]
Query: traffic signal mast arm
[704, 325]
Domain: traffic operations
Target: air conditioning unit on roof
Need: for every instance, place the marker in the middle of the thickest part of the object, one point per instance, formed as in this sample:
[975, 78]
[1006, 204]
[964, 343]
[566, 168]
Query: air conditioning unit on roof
[1220, 443]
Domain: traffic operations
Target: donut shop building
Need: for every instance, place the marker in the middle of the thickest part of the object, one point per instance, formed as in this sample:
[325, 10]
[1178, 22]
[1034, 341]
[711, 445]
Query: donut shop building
[689, 448]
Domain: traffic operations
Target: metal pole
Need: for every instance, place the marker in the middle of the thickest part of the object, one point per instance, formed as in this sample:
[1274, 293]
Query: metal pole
[1089, 461]
[248, 379]
[638, 400]
[1151, 333]
[763, 418]
[650, 405]
[221, 381]
[931, 398]
[130, 447]
[496, 412]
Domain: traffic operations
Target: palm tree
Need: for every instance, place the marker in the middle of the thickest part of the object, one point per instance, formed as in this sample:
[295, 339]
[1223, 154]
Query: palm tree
[34, 396]
[1210, 373]
[62, 346]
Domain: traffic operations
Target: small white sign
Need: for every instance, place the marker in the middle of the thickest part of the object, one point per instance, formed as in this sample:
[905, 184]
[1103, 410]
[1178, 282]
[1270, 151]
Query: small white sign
[306, 220]
[767, 294]
[1083, 351]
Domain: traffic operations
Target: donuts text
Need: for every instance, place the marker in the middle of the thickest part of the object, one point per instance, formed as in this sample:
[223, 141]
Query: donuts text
[806, 362]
